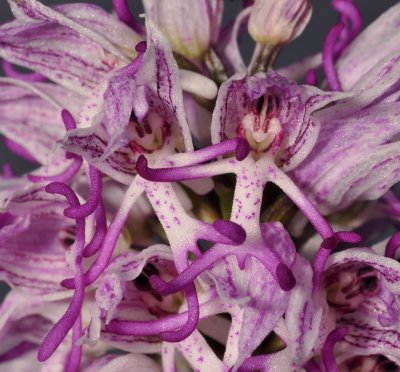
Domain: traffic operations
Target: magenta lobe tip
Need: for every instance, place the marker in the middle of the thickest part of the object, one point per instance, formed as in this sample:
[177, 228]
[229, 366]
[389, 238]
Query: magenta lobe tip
[285, 277]
[141, 47]
[231, 230]
[242, 149]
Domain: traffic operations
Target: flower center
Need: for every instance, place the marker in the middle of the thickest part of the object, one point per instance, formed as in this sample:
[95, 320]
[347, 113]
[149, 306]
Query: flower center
[347, 289]
[148, 136]
[262, 127]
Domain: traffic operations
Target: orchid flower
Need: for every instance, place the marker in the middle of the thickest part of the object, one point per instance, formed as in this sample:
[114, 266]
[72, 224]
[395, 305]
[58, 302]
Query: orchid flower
[192, 211]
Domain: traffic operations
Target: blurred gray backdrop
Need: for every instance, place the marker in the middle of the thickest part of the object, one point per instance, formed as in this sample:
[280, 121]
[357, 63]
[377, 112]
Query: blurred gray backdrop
[324, 17]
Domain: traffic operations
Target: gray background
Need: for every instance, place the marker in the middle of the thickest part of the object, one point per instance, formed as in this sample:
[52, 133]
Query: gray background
[309, 42]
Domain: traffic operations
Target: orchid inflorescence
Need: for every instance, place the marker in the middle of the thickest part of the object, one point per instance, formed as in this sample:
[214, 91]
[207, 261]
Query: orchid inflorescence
[192, 212]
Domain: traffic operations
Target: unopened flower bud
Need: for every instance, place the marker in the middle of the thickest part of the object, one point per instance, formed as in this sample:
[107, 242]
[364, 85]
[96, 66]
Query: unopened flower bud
[277, 22]
[191, 26]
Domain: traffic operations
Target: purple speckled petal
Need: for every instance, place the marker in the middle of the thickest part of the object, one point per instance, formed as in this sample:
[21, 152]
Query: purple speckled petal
[266, 301]
[88, 20]
[306, 317]
[377, 41]
[112, 363]
[366, 336]
[373, 322]
[30, 115]
[159, 72]
[35, 238]
[24, 320]
[92, 144]
[368, 138]
[112, 287]
[34, 258]
[150, 88]
[66, 57]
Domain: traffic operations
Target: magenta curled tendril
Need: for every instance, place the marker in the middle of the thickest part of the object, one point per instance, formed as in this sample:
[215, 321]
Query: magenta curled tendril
[60, 330]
